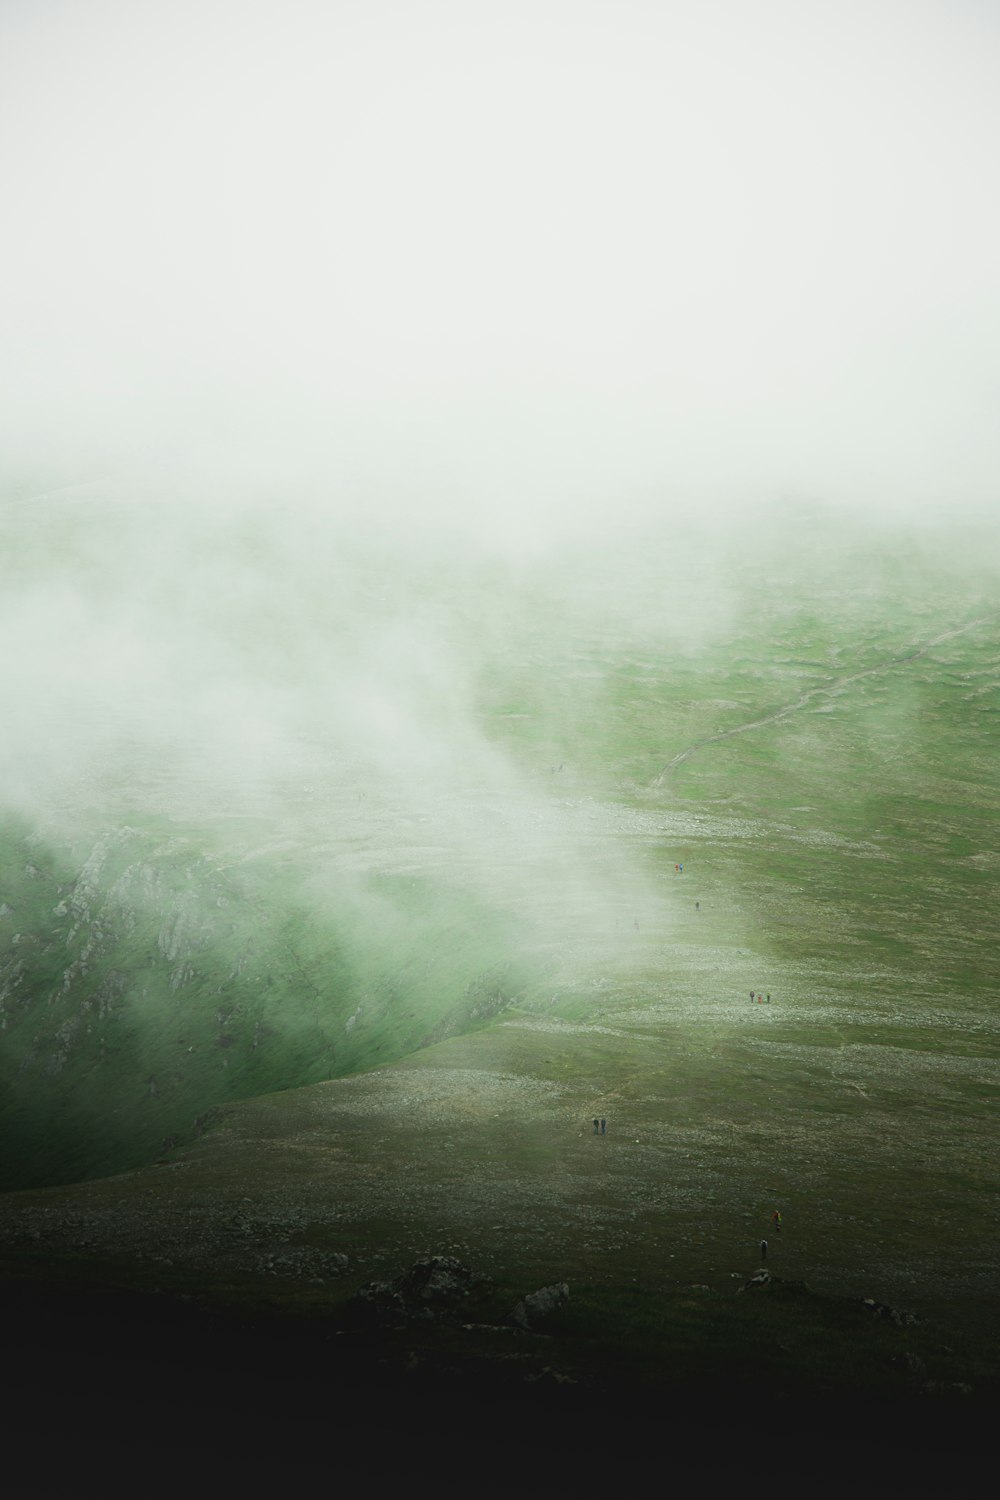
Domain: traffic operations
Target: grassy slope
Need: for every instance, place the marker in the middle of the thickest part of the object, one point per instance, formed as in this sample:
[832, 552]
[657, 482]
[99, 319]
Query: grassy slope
[844, 858]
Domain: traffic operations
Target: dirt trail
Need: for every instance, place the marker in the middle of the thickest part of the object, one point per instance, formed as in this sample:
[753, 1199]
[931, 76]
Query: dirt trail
[818, 692]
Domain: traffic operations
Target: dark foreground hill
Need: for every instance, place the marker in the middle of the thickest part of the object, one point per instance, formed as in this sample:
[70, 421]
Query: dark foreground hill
[440, 1259]
[108, 1386]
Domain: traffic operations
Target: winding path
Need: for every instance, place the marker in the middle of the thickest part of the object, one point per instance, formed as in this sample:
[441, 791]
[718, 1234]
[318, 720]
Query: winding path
[817, 692]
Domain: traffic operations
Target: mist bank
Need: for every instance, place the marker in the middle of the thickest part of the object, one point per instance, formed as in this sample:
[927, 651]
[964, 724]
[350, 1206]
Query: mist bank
[263, 824]
[146, 980]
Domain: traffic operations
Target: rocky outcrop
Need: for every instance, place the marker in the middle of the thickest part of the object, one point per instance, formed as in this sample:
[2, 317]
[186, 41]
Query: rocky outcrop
[431, 1288]
[888, 1314]
[538, 1306]
[762, 1279]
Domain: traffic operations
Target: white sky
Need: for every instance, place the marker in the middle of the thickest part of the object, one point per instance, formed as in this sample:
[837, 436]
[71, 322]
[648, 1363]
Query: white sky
[520, 253]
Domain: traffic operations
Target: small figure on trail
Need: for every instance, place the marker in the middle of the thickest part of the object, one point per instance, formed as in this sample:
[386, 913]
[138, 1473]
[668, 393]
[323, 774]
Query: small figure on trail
[763, 1249]
[769, 997]
[677, 869]
[751, 994]
[680, 869]
[597, 1127]
[636, 924]
[697, 906]
[604, 1127]
[776, 1221]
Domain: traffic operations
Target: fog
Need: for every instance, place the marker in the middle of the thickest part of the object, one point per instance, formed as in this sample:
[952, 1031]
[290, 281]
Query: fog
[503, 265]
[347, 346]
[373, 377]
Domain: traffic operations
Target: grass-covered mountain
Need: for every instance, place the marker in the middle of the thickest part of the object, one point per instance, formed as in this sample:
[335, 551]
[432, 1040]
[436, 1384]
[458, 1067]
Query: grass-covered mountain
[428, 928]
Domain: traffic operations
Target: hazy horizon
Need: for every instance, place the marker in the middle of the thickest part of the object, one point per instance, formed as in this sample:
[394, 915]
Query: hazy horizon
[468, 262]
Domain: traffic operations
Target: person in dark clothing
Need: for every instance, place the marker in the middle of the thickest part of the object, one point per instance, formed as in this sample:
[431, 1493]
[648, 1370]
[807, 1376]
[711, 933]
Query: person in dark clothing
[604, 1127]
[763, 1249]
[597, 1127]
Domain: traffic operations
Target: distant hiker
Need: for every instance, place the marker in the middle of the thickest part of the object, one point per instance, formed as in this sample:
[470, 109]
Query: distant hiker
[636, 924]
[751, 994]
[604, 1127]
[597, 1127]
[776, 1221]
[769, 998]
[677, 869]
[697, 906]
[681, 869]
[763, 1249]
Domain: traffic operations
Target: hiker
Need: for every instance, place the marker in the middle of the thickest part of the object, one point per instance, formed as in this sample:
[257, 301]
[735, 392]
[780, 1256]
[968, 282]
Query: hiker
[769, 998]
[776, 1221]
[763, 1249]
[597, 1127]
[751, 994]
[604, 1127]
[697, 906]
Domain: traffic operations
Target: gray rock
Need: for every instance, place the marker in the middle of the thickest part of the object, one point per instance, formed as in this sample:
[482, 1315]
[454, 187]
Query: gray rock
[762, 1278]
[539, 1305]
[439, 1279]
[550, 1376]
[379, 1304]
[889, 1314]
[429, 1289]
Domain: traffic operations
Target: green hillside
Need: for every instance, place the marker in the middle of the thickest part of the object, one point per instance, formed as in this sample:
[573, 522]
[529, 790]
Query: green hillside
[779, 776]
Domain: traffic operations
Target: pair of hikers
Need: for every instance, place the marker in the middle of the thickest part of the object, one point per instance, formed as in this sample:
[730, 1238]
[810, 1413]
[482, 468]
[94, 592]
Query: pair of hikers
[600, 1127]
[776, 1226]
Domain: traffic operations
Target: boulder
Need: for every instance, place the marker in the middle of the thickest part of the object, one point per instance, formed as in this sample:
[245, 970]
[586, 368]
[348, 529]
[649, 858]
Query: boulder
[537, 1306]
[549, 1376]
[762, 1278]
[377, 1304]
[429, 1289]
[889, 1314]
[439, 1279]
